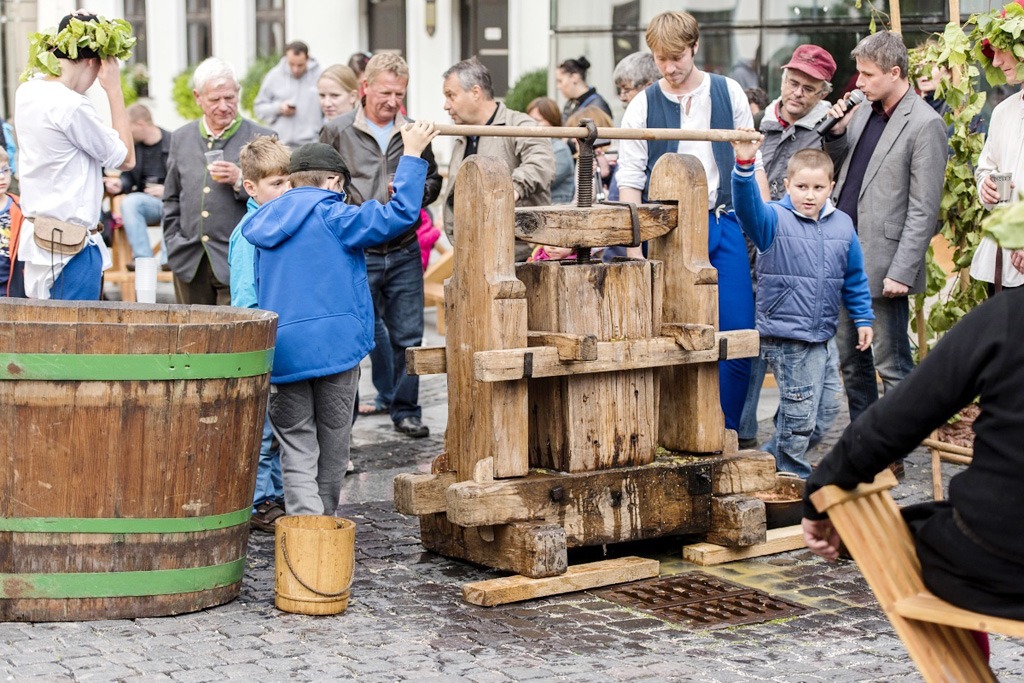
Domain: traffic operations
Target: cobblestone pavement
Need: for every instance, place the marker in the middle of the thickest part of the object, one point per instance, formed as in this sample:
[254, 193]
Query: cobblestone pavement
[407, 622]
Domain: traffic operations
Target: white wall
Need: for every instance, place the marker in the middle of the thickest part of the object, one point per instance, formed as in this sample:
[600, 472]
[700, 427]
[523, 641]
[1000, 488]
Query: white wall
[529, 32]
[332, 31]
[165, 22]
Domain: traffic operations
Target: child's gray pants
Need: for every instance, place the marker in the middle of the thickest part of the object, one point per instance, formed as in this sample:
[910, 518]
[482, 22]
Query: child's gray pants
[313, 421]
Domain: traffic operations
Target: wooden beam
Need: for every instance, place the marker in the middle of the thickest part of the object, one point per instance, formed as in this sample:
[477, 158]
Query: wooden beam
[569, 346]
[703, 134]
[534, 549]
[426, 360]
[579, 577]
[596, 226]
[776, 541]
[689, 336]
[422, 494]
[542, 361]
[737, 521]
[743, 472]
[604, 506]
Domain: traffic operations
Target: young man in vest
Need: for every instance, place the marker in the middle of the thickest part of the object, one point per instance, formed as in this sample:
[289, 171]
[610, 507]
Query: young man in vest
[686, 97]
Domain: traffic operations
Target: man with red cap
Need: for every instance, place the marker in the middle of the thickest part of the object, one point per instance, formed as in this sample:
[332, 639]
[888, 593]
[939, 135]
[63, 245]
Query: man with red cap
[788, 126]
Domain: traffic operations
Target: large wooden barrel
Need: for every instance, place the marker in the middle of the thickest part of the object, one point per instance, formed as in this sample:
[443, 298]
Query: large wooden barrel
[128, 456]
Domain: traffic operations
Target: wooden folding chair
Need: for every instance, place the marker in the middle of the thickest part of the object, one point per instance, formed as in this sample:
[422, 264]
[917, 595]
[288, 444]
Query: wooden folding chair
[935, 633]
[945, 452]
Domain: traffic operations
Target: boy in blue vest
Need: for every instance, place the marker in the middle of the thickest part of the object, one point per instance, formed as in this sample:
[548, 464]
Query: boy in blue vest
[310, 270]
[809, 262]
[690, 99]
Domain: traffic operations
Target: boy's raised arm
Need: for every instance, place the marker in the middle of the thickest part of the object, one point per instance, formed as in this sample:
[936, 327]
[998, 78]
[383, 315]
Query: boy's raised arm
[755, 218]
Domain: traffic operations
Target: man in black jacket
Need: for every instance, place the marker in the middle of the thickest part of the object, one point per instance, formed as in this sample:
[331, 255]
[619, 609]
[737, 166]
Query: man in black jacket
[143, 186]
[369, 140]
[971, 547]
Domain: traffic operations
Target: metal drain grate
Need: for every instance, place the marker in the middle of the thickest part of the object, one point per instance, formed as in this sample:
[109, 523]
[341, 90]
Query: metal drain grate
[701, 601]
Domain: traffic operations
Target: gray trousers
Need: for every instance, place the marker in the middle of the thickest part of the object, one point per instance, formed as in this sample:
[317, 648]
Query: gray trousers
[312, 420]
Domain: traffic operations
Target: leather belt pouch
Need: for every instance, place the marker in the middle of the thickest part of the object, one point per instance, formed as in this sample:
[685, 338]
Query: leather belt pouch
[57, 236]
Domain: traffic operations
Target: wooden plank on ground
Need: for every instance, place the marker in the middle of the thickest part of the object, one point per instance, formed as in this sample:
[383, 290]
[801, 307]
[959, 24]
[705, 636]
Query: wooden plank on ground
[778, 541]
[577, 578]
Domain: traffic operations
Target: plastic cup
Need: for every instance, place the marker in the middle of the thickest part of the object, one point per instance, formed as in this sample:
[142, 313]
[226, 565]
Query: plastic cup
[146, 269]
[213, 156]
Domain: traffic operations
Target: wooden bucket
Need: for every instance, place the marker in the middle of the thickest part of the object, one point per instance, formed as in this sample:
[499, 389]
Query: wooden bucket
[314, 559]
[129, 453]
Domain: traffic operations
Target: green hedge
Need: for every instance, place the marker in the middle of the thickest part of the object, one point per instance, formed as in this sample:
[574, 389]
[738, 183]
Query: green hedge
[186, 105]
[530, 85]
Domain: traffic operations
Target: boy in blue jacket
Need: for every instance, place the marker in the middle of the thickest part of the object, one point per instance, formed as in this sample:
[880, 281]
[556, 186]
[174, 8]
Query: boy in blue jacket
[809, 261]
[310, 270]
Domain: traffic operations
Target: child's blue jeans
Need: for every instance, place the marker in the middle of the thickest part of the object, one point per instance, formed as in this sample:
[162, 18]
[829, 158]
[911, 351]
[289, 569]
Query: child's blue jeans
[799, 369]
[268, 471]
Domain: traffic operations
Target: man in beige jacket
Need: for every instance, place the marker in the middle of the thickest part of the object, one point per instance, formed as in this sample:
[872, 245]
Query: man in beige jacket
[469, 100]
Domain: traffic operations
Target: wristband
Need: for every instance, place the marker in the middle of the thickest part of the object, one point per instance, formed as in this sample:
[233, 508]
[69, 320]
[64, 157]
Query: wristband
[745, 162]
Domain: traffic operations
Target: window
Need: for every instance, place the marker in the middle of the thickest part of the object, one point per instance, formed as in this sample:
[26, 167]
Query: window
[198, 43]
[269, 27]
[135, 13]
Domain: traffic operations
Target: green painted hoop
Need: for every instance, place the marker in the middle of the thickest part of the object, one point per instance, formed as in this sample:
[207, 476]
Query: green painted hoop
[124, 525]
[128, 366]
[120, 584]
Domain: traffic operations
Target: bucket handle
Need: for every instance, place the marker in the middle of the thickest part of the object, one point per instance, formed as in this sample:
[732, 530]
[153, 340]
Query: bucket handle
[284, 551]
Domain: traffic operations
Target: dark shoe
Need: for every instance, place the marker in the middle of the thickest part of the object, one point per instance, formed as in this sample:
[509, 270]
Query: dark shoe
[267, 513]
[166, 267]
[130, 266]
[747, 444]
[412, 426]
[899, 470]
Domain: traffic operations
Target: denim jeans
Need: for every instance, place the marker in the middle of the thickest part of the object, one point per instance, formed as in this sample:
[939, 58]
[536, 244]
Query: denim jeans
[268, 469]
[828, 406]
[139, 210]
[890, 353]
[396, 284]
[382, 364]
[799, 369]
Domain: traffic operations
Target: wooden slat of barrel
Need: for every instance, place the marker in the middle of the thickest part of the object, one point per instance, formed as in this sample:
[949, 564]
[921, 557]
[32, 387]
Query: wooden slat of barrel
[125, 451]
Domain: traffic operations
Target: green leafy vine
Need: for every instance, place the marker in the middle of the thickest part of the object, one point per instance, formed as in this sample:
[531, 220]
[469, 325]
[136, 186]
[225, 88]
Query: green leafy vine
[106, 37]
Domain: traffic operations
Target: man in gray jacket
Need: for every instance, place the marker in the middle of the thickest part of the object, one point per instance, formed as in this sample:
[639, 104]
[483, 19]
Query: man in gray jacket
[288, 100]
[892, 151]
[469, 99]
[369, 140]
[203, 201]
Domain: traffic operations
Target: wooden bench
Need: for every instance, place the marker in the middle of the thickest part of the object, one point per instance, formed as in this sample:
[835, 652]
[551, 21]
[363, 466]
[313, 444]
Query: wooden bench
[433, 282]
[118, 273]
[935, 633]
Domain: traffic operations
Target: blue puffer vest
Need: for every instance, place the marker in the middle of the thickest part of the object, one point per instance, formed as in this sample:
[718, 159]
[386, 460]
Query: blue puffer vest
[663, 113]
[800, 276]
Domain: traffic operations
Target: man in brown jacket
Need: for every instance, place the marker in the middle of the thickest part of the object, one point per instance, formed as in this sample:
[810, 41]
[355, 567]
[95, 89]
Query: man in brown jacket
[469, 100]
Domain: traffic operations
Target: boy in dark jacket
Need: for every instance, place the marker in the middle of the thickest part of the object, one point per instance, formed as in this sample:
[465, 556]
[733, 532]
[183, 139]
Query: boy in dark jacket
[310, 270]
[808, 263]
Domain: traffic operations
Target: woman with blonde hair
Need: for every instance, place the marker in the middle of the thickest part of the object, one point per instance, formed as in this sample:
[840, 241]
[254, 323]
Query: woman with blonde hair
[338, 90]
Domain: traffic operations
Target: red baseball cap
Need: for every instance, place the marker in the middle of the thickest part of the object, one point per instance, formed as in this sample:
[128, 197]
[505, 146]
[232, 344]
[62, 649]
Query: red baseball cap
[986, 46]
[814, 61]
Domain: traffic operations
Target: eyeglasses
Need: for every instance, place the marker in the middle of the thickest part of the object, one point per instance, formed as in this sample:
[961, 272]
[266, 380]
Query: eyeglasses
[624, 93]
[6, 170]
[807, 90]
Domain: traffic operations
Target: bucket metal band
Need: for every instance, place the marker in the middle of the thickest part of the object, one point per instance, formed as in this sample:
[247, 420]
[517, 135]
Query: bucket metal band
[134, 366]
[120, 584]
[124, 525]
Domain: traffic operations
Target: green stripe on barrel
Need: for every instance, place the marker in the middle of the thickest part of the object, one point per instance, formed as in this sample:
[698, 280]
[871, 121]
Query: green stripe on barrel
[121, 525]
[130, 366]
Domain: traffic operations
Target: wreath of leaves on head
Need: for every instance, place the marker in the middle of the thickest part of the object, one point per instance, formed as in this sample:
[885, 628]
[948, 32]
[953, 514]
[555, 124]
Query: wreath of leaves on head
[106, 37]
[1002, 29]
